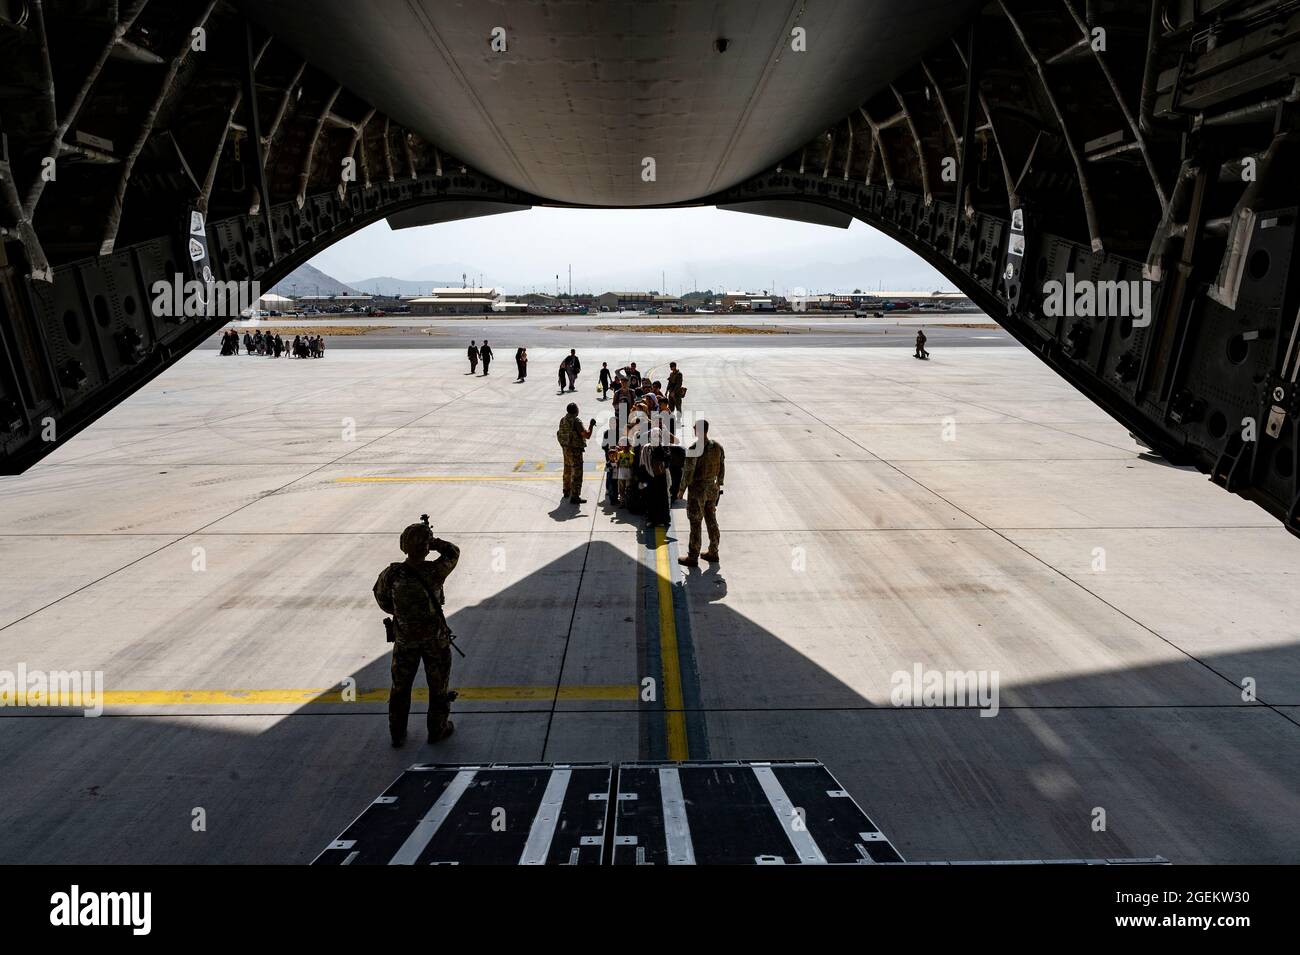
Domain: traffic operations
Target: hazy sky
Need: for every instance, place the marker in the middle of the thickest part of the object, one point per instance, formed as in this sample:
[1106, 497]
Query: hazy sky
[631, 249]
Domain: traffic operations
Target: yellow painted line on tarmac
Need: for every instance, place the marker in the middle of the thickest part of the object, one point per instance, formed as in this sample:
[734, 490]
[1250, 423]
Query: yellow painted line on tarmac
[299, 697]
[674, 703]
[536, 466]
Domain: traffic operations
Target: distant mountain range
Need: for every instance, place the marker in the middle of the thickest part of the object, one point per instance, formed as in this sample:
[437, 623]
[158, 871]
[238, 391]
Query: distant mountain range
[760, 273]
[309, 280]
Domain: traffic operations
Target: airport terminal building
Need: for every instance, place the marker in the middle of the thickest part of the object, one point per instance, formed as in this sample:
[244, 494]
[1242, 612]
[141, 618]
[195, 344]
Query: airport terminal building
[456, 301]
[636, 301]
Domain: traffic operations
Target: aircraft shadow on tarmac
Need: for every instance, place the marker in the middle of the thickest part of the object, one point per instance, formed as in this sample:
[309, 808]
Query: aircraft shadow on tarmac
[1205, 780]
[1149, 457]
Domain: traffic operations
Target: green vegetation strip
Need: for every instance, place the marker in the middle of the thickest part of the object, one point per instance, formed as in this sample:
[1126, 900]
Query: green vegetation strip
[288, 331]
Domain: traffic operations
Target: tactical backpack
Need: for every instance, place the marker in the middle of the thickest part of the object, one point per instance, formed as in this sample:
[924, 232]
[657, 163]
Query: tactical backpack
[384, 597]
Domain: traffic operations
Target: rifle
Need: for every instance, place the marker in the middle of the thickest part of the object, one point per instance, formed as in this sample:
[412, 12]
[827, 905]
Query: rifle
[390, 635]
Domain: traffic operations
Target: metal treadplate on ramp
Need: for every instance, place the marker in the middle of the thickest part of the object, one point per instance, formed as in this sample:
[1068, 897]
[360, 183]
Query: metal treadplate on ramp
[492, 815]
[710, 812]
[715, 812]
[741, 812]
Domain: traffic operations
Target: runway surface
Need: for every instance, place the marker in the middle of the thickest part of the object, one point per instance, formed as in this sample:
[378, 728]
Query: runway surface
[948, 329]
[209, 546]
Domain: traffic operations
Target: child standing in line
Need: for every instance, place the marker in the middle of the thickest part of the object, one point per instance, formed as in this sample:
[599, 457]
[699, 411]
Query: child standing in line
[625, 460]
[611, 474]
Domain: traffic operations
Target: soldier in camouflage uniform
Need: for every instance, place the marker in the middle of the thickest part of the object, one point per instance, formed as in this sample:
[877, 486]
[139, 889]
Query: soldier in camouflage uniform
[676, 388]
[573, 438]
[411, 591]
[703, 478]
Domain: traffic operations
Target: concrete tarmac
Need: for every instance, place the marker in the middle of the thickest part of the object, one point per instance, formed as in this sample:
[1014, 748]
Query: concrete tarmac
[210, 545]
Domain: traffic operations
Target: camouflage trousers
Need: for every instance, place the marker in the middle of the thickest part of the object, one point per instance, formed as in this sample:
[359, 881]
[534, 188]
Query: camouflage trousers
[572, 472]
[437, 670]
[702, 508]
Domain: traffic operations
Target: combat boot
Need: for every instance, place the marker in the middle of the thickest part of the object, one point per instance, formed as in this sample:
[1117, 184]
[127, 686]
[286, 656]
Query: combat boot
[689, 561]
[710, 555]
[447, 729]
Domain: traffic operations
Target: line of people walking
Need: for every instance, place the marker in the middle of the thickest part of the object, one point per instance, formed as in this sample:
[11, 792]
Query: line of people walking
[273, 346]
[648, 466]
